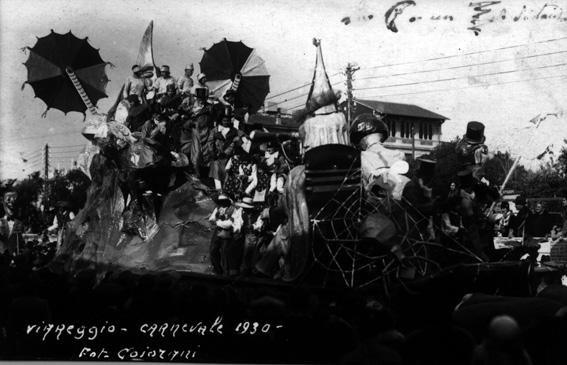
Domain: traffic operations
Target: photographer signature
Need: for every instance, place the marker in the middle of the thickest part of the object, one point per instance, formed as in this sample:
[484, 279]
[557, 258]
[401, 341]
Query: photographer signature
[484, 13]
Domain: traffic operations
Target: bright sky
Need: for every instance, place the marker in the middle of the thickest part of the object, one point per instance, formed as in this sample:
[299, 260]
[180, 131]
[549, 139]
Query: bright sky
[489, 79]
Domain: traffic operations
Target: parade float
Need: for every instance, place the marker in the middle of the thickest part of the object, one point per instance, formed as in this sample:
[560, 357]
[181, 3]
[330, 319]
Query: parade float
[348, 220]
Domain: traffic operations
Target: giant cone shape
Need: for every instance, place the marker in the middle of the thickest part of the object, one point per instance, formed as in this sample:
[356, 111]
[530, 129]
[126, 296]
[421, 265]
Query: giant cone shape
[327, 125]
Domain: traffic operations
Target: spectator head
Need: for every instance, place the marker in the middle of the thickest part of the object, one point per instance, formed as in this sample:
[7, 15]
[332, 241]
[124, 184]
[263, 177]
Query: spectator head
[9, 202]
[539, 207]
[504, 333]
[504, 206]
[452, 186]
[520, 202]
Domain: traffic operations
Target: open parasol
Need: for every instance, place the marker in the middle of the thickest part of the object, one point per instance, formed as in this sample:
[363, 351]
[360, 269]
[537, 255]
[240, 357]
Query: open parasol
[66, 72]
[224, 61]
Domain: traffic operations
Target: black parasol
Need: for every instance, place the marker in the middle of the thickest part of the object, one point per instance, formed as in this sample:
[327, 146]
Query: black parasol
[66, 72]
[224, 60]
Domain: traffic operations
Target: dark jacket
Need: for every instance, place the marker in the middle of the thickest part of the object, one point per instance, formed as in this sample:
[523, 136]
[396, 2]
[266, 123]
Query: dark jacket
[12, 240]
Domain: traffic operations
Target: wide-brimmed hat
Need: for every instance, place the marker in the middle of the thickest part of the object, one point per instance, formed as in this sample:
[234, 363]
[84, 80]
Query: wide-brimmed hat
[200, 76]
[475, 133]
[246, 202]
[164, 68]
[223, 198]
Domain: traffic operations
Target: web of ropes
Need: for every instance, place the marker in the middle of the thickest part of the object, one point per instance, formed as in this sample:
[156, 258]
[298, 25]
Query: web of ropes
[337, 243]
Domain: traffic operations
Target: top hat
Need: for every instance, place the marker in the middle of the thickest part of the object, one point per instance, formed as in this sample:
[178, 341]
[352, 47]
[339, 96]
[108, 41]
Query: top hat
[164, 68]
[366, 124]
[201, 93]
[223, 198]
[246, 202]
[475, 133]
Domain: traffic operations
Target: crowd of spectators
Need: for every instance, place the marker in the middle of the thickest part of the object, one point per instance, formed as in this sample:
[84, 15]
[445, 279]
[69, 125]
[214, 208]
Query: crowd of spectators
[317, 326]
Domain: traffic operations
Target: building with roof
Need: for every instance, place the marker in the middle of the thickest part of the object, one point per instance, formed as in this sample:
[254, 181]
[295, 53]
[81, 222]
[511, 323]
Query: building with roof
[413, 129]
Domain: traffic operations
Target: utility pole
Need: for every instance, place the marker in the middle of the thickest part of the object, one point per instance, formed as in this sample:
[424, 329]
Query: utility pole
[350, 70]
[46, 157]
[413, 141]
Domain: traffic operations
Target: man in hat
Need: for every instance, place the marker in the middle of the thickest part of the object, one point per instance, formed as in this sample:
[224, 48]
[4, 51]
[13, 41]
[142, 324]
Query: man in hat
[418, 195]
[197, 135]
[185, 83]
[223, 219]
[471, 151]
[136, 85]
[368, 133]
[169, 102]
[11, 228]
[225, 139]
[518, 220]
[252, 228]
[160, 86]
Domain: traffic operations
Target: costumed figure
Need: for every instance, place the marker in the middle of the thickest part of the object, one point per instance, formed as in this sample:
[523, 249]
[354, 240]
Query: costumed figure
[185, 82]
[222, 251]
[11, 228]
[197, 135]
[226, 137]
[241, 171]
[321, 124]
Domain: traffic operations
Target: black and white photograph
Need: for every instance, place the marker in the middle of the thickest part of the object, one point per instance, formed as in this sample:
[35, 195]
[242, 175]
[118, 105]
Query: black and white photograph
[283, 182]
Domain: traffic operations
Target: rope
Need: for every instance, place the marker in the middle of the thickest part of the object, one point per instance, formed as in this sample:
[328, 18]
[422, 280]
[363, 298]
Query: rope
[81, 91]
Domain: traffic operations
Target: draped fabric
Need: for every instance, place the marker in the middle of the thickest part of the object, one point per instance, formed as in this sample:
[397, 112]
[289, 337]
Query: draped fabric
[325, 129]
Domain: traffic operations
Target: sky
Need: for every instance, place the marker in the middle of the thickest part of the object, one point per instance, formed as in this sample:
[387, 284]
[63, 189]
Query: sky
[514, 68]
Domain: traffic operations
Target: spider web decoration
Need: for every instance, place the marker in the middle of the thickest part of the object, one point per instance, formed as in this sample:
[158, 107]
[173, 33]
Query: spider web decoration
[347, 258]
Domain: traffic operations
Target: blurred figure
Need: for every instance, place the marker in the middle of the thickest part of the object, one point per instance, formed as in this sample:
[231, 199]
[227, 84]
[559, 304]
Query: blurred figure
[136, 85]
[453, 191]
[518, 220]
[503, 345]
[11, 228]
[539, 223]
[185, 83]
[165, 79]
[504, 224]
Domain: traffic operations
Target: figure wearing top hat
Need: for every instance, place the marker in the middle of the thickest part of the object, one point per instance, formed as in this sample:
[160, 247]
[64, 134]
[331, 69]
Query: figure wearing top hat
[418, 192]
[226, 137]
[160, 85]
[471, 150]
[197, 135]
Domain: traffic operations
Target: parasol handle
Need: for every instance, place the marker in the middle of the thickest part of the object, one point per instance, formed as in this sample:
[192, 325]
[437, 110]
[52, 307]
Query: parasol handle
[503, 186]
[81, 91]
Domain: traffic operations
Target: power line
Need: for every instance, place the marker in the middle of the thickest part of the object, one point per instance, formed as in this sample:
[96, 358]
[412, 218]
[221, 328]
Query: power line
[461, 66]
[461, 77]
[296, 88]
[466, 87]
[301, 95]
[464, 54]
